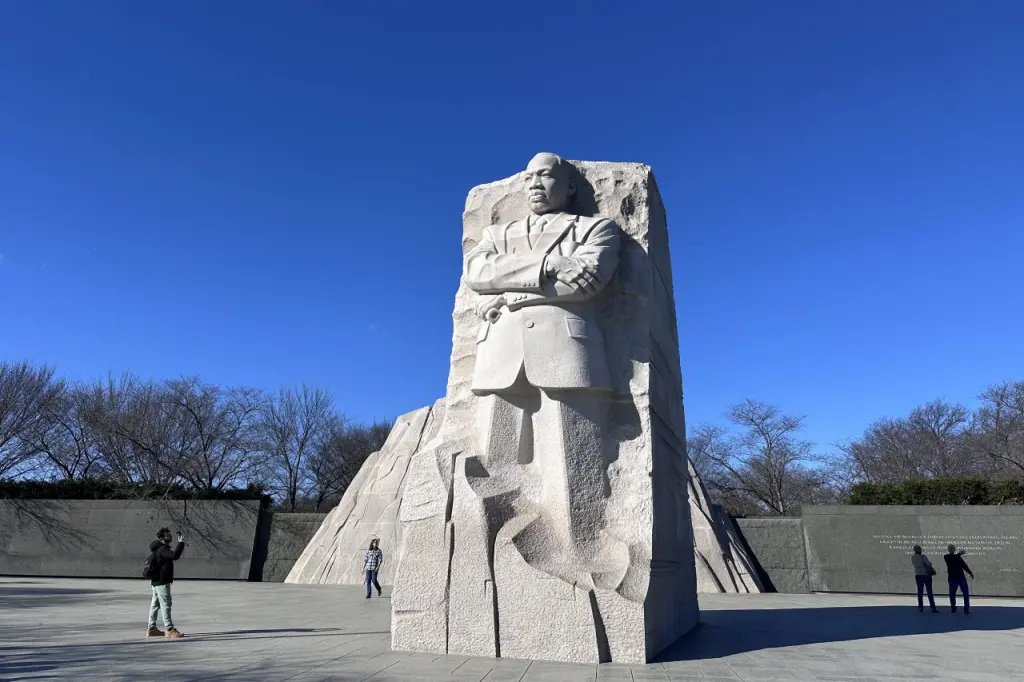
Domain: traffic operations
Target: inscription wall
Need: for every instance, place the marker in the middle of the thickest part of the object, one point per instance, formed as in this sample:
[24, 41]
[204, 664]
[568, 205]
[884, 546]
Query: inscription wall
[935, 545]
[868, 548]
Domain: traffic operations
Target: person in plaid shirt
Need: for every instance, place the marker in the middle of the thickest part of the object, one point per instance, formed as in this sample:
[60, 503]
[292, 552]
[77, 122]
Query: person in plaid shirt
[372, 564]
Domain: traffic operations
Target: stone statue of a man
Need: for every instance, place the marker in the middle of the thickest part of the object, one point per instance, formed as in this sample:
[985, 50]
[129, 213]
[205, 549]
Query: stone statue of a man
[554, 490]
[540, 361]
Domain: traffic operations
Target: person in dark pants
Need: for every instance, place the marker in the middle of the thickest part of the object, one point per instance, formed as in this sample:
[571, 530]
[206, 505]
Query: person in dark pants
[372, 564]
[956, 567]
[923, 572]
[161, 576]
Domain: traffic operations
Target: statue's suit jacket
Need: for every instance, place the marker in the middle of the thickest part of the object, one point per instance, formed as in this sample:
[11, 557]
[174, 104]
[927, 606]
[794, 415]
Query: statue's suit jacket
[546, 328]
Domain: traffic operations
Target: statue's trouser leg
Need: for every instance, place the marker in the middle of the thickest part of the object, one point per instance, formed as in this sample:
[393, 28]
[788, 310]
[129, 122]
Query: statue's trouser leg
[504, 425]
[569, 438]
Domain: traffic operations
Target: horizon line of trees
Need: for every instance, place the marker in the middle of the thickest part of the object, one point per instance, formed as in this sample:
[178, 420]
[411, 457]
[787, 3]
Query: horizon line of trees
[157, 434]
[297, 446]
[756, 464]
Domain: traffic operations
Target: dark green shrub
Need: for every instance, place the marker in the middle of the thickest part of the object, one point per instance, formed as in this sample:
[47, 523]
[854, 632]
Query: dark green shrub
[939, 491]
[96, 489]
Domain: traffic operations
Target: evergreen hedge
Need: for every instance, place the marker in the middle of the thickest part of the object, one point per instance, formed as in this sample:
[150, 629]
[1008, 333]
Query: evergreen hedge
[940, 491]
[96, 489]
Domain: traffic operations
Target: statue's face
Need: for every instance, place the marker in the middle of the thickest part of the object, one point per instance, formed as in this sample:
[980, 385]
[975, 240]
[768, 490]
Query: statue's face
[548, 186]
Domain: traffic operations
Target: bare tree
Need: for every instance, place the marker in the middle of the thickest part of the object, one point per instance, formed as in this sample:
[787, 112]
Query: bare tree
[179, 432]
[707, 445]
[216, 431]
[25, 393]
[999, 426]
[376, 434]
[934, 440]
[136, 440]
[838, 478]
[337, 460]
[765, 465]
[941, 433]
[65, 436]
[883, 454]
[292, 428]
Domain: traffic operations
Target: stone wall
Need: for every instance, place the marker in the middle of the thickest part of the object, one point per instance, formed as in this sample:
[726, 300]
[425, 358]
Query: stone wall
[470, 512]
[283, 537]
[777, 546]
[868, 548]
[110, 538]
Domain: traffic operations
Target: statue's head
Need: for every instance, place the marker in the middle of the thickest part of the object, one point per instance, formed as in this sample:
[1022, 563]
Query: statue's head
[550, 183]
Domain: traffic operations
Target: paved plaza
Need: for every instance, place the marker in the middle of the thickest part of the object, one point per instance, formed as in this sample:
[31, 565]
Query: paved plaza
[52, 629]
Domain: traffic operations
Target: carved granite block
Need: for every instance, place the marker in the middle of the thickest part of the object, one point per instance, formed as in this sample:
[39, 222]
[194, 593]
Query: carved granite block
[369, 509]
[569, 480]
[551, 482]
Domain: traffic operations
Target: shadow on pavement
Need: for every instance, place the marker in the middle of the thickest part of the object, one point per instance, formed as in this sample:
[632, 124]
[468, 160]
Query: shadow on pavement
[120, 659]
[730, 632]
[272, 631]
[29, 597]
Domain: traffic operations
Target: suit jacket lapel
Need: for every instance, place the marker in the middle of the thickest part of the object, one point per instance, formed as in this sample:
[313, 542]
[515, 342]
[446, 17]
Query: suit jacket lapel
[516, 237]
[552, 230]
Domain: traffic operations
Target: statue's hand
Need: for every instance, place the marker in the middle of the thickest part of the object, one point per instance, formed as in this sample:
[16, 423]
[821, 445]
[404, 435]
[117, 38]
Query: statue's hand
[488, 307]
[579, 274]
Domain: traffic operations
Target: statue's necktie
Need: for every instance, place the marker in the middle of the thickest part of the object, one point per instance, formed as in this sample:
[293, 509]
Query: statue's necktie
[536, 229]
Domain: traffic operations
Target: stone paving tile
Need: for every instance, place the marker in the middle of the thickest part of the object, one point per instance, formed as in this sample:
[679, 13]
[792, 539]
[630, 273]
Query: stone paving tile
[388, 676]
[302, 633]
[547, 671]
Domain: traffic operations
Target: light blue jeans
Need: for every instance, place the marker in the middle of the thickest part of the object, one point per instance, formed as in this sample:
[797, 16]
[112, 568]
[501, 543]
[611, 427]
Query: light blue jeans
[162, 603]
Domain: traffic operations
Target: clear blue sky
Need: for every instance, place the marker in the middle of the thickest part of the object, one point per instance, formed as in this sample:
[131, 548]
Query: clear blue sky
[271, 193]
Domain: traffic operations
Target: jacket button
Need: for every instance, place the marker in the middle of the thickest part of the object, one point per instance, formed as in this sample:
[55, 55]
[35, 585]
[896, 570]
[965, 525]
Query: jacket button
[529, 324]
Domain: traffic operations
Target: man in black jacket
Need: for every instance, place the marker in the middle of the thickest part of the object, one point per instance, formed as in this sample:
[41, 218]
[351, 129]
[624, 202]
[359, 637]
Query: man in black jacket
[161, 576]
[955, 569]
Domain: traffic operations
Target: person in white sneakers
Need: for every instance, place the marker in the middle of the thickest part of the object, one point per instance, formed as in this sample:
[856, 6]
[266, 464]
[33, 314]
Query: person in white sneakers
[161, 574]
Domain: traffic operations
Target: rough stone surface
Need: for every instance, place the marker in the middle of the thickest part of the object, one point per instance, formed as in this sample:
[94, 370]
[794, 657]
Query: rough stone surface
[369, 509]
[491, 547]
[110, 538]
[721, 559]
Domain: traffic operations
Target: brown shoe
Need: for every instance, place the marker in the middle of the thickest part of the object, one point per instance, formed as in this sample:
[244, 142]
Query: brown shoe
[155, 632]
[173, 633]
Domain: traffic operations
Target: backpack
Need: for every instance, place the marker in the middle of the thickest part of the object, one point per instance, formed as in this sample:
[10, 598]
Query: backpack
[149, 566]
